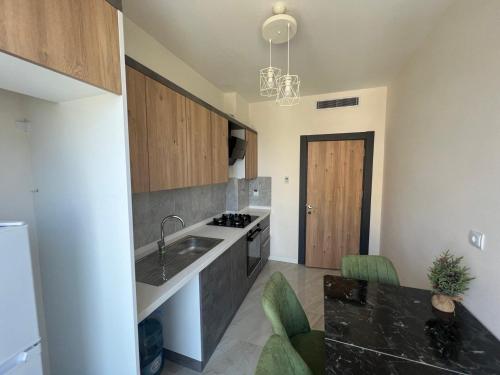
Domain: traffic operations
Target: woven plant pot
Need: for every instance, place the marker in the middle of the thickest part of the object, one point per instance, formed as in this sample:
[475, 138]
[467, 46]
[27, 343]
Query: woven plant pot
[444, 303]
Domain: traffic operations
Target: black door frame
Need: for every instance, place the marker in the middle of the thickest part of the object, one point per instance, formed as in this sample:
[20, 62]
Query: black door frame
[368, 138]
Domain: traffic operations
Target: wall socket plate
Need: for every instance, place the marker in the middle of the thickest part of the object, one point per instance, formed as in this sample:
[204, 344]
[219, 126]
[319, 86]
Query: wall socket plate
[476, 239]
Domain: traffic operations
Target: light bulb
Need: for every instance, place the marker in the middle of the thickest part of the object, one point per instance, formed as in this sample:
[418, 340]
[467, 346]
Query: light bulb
[270, 78]
[288, 87]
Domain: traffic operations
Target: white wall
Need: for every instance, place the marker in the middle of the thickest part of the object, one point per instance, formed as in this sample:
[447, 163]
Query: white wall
[442, 173]
[180, 317]
[279, 130]
[235, 105]
[148, 51]
[86, 253]
[16, 197]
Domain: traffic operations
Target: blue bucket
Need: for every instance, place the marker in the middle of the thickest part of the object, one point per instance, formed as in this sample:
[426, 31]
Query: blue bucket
[151, 347]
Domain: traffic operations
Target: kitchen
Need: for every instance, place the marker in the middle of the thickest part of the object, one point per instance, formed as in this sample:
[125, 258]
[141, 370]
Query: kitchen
[182, 152]
[164, 176]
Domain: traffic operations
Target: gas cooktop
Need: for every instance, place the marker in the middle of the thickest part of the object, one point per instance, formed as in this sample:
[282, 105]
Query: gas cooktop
[233, 220]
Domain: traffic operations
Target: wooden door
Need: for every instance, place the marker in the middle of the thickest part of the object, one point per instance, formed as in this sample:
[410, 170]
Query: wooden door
[251, 167]
[78, 38]
[334, 192]
[199, 144]
[167, 137]
[220, 157]
[137, 130]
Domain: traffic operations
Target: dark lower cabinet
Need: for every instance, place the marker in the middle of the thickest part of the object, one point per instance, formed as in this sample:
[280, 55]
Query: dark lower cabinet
[265, 248]
[216, 303]
[223, 287]
[239, 279]
[266, 251]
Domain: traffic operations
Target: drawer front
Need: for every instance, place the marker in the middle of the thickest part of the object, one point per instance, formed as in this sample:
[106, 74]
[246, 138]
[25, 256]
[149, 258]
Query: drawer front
[265, 234]
[265, 222]
[266, 249]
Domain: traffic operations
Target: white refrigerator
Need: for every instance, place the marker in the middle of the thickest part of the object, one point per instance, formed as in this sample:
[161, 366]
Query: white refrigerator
[20, 352]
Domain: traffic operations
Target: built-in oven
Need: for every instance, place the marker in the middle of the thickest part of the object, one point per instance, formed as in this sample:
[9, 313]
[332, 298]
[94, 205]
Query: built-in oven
[253, 249]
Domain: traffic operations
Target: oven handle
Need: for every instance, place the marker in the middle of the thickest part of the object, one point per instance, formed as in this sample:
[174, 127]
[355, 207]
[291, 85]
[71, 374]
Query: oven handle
[253, 235]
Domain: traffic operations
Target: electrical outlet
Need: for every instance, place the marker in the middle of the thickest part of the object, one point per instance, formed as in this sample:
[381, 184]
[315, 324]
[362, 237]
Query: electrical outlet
[476, 239]
[287, 179]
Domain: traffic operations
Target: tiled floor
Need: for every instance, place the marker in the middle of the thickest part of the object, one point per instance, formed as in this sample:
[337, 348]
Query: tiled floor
[239, 349]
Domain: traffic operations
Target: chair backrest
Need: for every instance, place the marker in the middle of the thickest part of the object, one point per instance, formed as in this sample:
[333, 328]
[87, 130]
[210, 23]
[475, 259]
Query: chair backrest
[278, 357]
[283, 308]
[371, 268]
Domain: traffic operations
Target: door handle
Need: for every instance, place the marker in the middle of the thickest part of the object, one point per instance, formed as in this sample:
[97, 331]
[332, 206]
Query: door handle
[309, 208]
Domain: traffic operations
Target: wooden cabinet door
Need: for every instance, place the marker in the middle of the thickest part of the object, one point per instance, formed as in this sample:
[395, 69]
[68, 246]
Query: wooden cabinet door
[199, 149]
[220, 157]
[167, 136]
[251, 170]
[137, 130]
[78, 38]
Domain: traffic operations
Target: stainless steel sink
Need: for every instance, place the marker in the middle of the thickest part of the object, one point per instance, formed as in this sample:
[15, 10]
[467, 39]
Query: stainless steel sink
[156, 269]
[193, 245]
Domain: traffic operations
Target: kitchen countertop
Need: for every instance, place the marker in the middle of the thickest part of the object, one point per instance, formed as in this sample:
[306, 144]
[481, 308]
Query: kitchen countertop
[150, 297]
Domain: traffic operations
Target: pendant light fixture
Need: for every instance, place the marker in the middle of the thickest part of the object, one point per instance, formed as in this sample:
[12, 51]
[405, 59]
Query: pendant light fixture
[288, 84]
[269, 78]
[278, 29]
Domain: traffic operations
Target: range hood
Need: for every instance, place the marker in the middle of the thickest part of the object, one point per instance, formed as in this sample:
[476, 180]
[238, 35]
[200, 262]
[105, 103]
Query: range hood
[237, 148]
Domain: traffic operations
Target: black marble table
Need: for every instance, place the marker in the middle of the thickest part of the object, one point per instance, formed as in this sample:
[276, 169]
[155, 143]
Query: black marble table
[373, 328]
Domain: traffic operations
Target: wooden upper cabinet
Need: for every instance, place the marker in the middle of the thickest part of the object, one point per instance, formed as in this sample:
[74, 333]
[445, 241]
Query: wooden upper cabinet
[167, 132]
[251, 169]
[199, 149]
[220, 156]
[78, 38]
[137, 130]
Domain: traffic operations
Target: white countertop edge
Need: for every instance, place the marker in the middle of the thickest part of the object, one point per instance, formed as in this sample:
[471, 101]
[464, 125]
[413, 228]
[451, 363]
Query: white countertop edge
[150, 297]
[255, 208]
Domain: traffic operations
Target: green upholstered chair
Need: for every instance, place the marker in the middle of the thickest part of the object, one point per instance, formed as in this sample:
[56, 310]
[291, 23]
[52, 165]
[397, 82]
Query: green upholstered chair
[278, 357]
[371, 268]
[289, 321]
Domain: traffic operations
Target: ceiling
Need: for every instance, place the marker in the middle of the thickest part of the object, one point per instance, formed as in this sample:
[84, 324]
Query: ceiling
[340, 44]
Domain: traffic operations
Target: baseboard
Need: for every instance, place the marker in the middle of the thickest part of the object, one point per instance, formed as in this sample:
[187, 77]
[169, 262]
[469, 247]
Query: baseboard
[284, 259]
[183, 360]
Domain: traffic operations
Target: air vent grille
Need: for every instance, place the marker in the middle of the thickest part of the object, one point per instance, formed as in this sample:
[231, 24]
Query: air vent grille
[346, 102]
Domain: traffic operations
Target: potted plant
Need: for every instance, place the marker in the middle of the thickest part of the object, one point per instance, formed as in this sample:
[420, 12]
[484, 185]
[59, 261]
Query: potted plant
[449, 280]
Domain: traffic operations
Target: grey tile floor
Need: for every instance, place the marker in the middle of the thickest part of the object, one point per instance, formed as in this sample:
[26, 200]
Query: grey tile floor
[240, 347]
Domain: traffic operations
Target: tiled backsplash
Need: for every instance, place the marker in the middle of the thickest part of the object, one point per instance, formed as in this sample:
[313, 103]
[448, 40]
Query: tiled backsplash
[241, 193]
[259, 192]
[237, 194]
[192, 204]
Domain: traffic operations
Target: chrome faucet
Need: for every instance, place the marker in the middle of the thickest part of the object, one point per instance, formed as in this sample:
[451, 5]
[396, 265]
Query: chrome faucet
[161, 242]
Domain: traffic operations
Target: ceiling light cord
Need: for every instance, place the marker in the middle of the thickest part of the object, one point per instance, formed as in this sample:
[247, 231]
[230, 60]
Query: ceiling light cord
[270, 54]
[288, 63]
